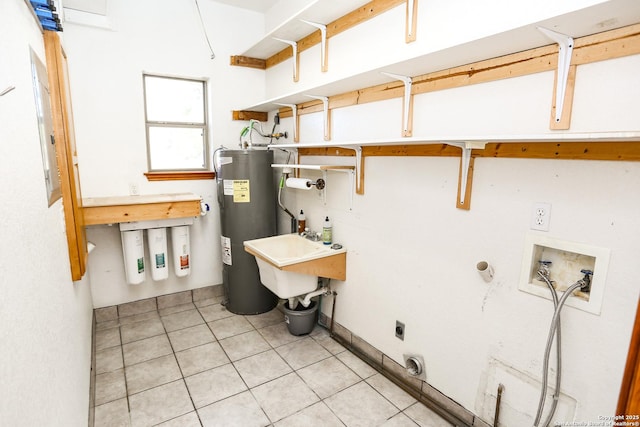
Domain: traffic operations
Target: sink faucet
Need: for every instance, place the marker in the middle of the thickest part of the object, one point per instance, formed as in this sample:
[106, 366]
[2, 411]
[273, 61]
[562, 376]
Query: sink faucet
[311, 235]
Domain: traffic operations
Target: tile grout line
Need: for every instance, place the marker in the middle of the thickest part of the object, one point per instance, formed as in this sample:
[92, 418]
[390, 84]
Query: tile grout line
[271, 346]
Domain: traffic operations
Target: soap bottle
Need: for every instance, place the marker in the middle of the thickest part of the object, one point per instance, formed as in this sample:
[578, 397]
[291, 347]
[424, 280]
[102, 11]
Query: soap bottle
[302, 222]
[327, 232]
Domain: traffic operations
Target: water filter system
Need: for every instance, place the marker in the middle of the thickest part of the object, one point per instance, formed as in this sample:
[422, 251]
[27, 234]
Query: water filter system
[133, 252]
[181, 250]
[157, 241]
[133, 249]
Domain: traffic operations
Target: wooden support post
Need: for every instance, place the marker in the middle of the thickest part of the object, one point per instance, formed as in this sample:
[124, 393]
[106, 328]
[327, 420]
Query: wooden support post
[245, 61]
[463, 201]
[250, 115]
[411, 21]
[565, 118]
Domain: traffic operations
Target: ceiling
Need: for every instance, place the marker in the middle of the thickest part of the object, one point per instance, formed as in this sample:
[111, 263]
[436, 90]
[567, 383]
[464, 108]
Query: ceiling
[257, 5]
[100, 6]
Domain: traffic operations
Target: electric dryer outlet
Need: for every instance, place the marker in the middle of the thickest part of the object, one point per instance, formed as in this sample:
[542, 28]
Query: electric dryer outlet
[399, 330]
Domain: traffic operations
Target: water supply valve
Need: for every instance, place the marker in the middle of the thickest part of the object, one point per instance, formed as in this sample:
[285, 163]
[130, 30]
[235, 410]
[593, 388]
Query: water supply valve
[585, 282]
[544, 268]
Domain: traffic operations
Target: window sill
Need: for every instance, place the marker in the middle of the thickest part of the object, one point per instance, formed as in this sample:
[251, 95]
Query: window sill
[179, 176]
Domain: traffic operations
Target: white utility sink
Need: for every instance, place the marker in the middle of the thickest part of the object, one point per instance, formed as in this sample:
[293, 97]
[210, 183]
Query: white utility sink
[290, 265]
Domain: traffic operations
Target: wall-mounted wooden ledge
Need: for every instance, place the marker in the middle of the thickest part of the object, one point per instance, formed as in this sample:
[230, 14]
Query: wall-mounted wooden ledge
[113, 210]
[179, 176]
[610, 146]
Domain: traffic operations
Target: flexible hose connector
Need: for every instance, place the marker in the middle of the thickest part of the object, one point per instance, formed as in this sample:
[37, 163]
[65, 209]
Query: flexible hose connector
[544, 274]
[552, 330]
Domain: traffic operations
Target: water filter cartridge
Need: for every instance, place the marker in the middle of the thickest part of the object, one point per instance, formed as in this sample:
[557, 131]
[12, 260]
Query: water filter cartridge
[133, 254]
[157, 241]
[181, 250]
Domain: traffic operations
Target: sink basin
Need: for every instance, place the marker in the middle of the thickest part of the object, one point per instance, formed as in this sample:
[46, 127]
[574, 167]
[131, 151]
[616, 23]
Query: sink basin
[290, 265]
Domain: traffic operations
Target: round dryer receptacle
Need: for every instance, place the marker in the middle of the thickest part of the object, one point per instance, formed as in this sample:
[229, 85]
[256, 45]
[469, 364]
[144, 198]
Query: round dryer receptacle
[414, 366]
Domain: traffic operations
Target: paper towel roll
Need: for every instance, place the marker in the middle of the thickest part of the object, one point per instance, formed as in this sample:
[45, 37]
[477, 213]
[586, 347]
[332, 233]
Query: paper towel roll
[300, 183]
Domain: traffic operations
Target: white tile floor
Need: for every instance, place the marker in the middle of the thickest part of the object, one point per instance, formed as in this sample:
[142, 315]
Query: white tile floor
[201, 365]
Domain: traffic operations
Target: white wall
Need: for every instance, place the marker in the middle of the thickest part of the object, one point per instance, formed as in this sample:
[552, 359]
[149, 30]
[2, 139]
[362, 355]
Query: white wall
[412, 254]
[45, 317]
[106, 69]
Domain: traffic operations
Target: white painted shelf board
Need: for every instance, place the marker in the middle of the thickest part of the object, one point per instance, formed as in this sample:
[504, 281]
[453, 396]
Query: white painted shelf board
[90, 202]
[461, 139]
[315, 167]
[576, 24]
[319, 11]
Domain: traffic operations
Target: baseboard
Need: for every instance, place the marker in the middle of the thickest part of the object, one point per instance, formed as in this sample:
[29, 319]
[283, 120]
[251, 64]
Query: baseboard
[422, 391]
[92, 375]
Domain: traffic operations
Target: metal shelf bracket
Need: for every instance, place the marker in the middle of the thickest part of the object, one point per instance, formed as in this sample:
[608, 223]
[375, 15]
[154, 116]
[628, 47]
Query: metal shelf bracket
[565, 50]
[325, 112]
[296, 58]
[294, 113]
[407, 107]
[357, 150]
[465, 163]
[323, 44]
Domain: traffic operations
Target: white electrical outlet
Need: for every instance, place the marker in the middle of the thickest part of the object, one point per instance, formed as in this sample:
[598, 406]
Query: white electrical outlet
[133, 189]
[541, 216]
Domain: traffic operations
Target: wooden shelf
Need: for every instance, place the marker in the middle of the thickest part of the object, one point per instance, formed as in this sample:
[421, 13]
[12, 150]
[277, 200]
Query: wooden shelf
[457, 139]
[577, 24]
[320, 11]
[112, 210]
[316, 167]
[619, 146]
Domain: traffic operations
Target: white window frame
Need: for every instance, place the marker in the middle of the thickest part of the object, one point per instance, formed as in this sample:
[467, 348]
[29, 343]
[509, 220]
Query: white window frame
[178, 124]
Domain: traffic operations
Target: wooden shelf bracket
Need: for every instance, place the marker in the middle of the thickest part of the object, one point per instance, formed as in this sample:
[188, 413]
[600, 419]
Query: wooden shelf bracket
[407, 107]
[412, 15]
[324, 66]
[325, 115]
[466, 171]
[296, 57]
[565, 51]
[296, 119]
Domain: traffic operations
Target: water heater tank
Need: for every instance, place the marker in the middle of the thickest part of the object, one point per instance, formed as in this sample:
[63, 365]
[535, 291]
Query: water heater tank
[247, 211]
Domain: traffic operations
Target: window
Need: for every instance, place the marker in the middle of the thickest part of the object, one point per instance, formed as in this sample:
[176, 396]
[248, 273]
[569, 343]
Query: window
[176, 111]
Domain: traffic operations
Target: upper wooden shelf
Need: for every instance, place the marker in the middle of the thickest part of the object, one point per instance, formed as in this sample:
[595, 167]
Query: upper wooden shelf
[112, 210]
[432, 58]
[460, 140]
[319, 11]
[315, 167]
